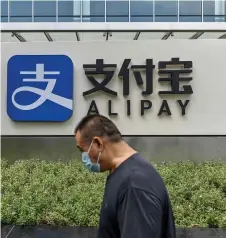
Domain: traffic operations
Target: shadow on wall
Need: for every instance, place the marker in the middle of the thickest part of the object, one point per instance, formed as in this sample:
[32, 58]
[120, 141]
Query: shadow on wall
[158, 149]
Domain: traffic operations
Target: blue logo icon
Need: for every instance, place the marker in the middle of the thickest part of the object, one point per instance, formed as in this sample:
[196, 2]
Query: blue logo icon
[40, 88]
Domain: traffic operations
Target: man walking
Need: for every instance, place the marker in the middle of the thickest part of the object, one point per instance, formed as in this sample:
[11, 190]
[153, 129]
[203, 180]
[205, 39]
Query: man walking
[135, 203]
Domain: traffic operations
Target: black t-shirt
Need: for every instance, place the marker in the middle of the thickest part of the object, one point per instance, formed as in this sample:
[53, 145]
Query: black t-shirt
[136, 203]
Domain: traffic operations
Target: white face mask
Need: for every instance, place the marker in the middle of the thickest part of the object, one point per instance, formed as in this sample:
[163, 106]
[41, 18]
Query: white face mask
[93, 167]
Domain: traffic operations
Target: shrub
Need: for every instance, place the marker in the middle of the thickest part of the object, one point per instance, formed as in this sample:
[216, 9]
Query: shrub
[39, 192]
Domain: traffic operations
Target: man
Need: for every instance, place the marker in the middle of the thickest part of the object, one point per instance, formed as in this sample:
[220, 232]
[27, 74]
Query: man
[136, 203]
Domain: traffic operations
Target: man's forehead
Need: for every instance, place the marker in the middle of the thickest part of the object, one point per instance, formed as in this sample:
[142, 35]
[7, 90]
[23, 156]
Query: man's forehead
[80, 141]
[78, 138]
[77, 135]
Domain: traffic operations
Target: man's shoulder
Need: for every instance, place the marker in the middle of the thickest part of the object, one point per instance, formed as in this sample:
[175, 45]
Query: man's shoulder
[145, 176]
[140, 174]
[139, 159]
[142, 168]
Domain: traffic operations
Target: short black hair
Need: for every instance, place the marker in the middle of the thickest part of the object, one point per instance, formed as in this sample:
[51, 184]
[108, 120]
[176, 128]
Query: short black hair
[98, 125]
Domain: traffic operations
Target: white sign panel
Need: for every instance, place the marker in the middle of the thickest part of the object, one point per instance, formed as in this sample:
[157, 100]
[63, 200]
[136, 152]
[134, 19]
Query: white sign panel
[173, 87]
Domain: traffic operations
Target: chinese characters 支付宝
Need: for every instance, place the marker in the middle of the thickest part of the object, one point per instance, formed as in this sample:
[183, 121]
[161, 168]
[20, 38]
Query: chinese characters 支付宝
[173, 72]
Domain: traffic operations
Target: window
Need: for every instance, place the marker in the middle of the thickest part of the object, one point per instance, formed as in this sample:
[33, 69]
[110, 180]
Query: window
[141, 11]
[190, 11]
[97, 11]
[45, 11]
[166, 11]
[166, 19]
[225, 10]
[20, 11]
[117, 11]
[4, 11]
[208, 11]
[190, 19]
[66, 11]
[214, 10]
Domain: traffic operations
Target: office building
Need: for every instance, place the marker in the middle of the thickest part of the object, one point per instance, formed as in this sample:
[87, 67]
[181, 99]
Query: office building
[113, 11]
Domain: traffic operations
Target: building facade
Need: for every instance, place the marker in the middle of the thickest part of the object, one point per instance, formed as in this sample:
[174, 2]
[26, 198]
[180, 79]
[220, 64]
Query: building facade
[160, 148]
[113, 11]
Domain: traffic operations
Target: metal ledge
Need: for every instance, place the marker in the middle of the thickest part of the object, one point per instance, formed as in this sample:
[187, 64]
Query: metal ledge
[114, 27]
[54, 32]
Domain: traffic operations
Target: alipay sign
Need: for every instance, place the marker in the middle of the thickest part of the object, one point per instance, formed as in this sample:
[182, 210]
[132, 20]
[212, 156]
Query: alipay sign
[174, 87]
[40, 88]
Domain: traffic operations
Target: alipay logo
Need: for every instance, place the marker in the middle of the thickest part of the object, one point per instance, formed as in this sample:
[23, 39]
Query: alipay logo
[40, 88]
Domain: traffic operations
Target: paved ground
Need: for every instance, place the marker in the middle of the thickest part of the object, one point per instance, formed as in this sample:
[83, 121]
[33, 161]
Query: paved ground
[83, 232]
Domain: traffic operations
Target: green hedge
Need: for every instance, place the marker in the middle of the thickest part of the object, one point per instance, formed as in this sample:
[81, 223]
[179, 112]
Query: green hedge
[39, 192]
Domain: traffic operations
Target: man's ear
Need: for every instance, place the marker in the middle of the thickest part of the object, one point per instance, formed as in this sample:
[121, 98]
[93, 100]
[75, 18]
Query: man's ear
[99, 143]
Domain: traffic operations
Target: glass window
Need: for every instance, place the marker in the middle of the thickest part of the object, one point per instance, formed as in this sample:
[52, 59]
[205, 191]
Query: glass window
[220, 11]
[208, 7]
[141, 19]
[190, 8]
[190, 19]
[117, 11]
[190, 11]
[97, 11]
[209, 19]
[208, 11]
[214, 11]
[141, 11]
[166, 19]
[117, 18]
[225, 10]
[66, 11]
[4, 11]
[93, 19]
[166, 8]
[45, 11]
[20, 11]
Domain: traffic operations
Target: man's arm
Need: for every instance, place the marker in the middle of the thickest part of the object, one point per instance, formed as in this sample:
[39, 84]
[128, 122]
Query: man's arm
[139, 215]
